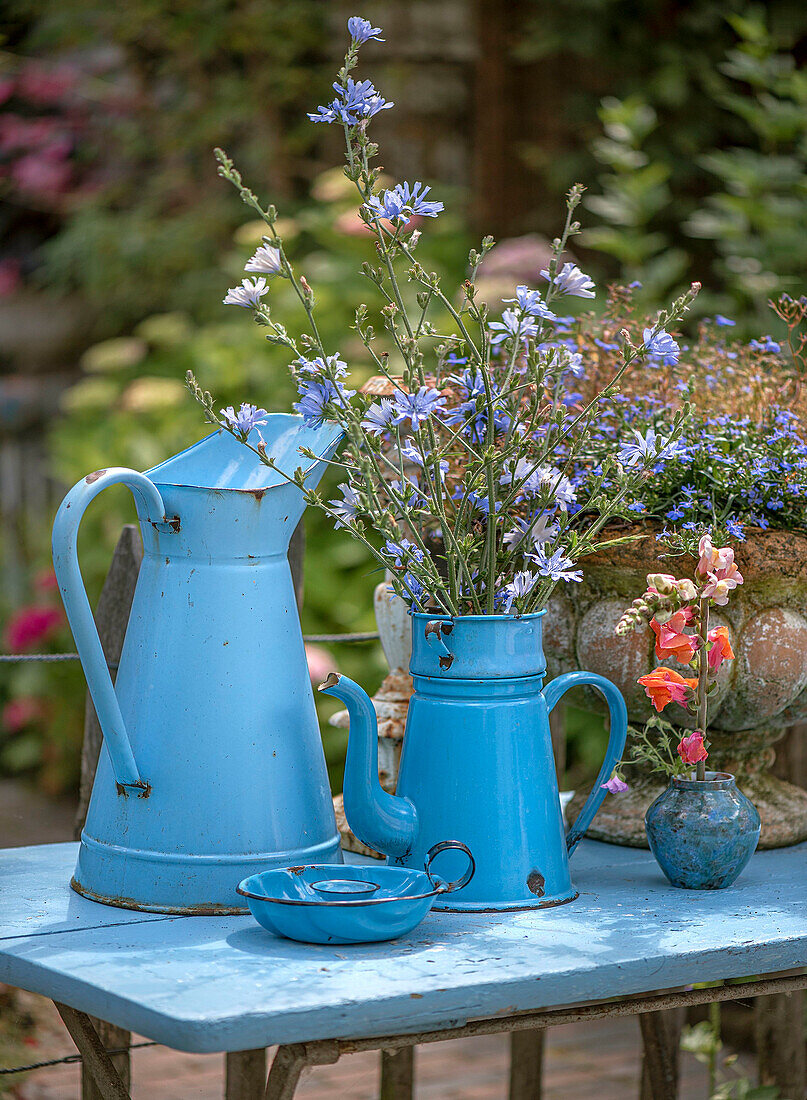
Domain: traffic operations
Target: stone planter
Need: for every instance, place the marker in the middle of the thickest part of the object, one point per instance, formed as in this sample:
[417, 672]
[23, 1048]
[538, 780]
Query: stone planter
[759, 694]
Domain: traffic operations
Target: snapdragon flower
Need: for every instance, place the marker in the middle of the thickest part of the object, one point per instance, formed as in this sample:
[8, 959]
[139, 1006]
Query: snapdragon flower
[417, 407]
[662, 346]
[556, 566]
[356, 102]
[403, 202]
[248, 295]
[348, 507]
[266, 260]
[531, 302]
[512, 325]
[247, 418]
[362, 30]
[571, 280]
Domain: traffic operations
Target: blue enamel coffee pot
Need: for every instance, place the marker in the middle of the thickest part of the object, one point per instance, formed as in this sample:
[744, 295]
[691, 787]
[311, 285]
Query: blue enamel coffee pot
[477, 762]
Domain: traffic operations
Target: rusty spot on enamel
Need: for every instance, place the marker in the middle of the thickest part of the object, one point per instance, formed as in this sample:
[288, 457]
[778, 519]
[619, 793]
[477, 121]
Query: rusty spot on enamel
[90, 478]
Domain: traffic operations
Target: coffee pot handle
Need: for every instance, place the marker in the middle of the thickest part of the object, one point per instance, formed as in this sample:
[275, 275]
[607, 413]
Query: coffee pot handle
[79, 614]
[616, 741]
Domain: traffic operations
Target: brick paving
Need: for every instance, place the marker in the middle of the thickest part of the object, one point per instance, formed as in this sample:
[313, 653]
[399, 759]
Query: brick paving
[594, 1061]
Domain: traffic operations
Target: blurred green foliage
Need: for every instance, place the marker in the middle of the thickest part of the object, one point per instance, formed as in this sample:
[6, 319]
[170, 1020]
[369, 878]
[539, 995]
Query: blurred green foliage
[751, 199]
[160, 85]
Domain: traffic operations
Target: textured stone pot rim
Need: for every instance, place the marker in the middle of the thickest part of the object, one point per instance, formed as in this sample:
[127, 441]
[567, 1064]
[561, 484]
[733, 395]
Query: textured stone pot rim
[714, 781]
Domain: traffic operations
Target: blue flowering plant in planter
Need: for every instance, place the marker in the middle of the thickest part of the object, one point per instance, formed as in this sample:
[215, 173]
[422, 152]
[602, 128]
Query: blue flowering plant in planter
[702, 829]
[461, 459]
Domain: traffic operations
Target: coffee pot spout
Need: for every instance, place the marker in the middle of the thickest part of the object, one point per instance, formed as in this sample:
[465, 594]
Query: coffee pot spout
[384, 821]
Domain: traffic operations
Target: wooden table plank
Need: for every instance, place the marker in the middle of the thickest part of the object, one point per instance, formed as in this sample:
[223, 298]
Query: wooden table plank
[221, 983]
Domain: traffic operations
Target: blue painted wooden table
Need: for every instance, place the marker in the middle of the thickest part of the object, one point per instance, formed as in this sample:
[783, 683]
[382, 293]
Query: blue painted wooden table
[223, 984]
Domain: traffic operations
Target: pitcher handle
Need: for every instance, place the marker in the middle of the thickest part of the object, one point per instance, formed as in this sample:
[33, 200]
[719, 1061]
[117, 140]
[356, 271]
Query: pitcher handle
[616, 741]
[79, 614]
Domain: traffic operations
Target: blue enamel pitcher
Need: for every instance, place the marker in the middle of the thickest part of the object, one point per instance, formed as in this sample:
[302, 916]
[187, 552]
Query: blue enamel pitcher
[212, 766]
[477, 762]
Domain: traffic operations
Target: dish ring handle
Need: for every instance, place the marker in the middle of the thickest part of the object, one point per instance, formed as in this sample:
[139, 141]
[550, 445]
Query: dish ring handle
[457, 884]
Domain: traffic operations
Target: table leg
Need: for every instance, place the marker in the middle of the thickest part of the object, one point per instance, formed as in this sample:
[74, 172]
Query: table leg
[397, 1074]
[113, 1038]
[245, 1075]
[780, 1034]
[526, 1064]
[92, 1051]
[660, 1040]
[290, 1061]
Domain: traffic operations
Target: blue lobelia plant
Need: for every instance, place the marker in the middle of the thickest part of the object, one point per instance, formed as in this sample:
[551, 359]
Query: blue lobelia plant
[456, 478]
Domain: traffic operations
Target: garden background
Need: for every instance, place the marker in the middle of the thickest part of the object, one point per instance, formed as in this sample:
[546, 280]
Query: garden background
[687, 122]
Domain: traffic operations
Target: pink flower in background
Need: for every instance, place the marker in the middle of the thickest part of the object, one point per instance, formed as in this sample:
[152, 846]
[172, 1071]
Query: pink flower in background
[615, 785]
[31, 626]
[39, 173]
[7, 86]
[691, 749]
[320, 663]
[22, 712]
[45, 581]
[46, 85]
[9, 276]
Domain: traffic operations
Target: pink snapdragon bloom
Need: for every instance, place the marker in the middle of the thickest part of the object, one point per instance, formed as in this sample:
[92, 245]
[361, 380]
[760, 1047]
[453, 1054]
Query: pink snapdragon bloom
[714, 559]
[717, 588]
[691, 749]
[671, 641]
[615, 785]
[720, 650]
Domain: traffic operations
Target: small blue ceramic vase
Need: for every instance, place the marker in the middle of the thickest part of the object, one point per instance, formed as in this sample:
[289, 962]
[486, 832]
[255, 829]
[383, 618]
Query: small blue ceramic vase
[702, 832]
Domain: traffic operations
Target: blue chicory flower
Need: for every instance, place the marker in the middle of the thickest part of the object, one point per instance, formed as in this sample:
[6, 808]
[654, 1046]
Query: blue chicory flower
[247, 418]
[571, 280]
[403, 202]
[531, 302]
[417, 407]
[362, 30]
[347, 508]
[379, 417]
[520, 586]
[661, 345]
[723, 321]
[512, 324]
[248, 295]
[556, 566]
[356, 102]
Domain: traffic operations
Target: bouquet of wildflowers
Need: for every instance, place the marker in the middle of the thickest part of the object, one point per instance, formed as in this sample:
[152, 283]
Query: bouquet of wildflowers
[678, 614]
[460, 465]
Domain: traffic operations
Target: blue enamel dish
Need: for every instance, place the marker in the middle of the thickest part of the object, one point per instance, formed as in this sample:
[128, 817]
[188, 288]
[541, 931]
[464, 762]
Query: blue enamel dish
[341, 903]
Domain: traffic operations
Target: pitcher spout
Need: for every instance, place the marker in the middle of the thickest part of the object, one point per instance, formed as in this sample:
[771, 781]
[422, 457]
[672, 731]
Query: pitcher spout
[384, 821]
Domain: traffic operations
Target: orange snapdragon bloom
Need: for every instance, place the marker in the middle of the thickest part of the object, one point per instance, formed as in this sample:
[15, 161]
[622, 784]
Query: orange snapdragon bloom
[721, 648]
[671, 641]
[664, 685]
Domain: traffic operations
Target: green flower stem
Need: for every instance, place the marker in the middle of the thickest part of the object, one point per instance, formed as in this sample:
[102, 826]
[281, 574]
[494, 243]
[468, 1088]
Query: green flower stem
[703, 676]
